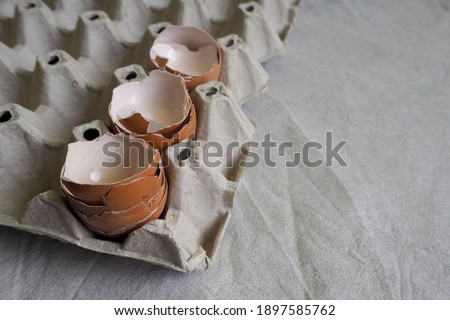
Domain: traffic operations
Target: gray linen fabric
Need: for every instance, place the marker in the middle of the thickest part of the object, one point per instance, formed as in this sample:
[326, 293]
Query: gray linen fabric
[375, 73]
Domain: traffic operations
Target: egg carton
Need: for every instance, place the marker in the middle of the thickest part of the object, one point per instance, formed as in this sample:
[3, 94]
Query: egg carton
[59, 62]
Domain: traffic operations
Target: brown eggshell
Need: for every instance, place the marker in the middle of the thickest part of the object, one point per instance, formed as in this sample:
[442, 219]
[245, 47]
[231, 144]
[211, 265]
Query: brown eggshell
[193, 40]
[136, 123]
[84, 208]
[121, 197]
[126, 195]
[115, 224]
[213, 75]
[91, 192]
[152, 203]
[159, 99]
[188, 129]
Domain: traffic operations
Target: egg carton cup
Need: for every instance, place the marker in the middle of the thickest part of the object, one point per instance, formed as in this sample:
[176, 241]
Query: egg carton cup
[60, 61]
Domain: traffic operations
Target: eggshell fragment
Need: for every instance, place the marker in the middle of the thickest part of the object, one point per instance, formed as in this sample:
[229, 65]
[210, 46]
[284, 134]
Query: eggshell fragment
[114, 200]
[189, 52]
[186, 130]
[157, 109]
[88, 210]
[121, 197]
[126, 195]
[88, 181]
[115, 224]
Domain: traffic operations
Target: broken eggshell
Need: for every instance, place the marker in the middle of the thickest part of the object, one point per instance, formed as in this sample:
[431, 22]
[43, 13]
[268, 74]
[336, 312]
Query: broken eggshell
[157, 109]
[116, 224]
[119, 198]
[85, 177]
[189, 52]
[116, 199]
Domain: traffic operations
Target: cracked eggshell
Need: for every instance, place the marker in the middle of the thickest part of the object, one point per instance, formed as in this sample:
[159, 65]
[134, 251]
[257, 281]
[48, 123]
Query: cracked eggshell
[86, 209]
[121, 197]
[85, 178]
[116, 224]
[157, 103]
[157, 109]
[126, 195]
[136, 193]
[186, 131]
[189, 52]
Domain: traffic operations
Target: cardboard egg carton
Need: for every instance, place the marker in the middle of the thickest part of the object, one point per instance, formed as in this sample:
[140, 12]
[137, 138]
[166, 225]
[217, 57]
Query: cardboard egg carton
[59, 62]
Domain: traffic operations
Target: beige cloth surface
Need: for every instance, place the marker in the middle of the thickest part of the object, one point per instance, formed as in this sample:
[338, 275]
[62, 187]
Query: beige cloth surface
[375, 73]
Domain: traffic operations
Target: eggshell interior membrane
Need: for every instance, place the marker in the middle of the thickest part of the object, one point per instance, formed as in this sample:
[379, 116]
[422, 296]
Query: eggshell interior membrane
[181, 59]
[86, 162]
[189, 52]
[150, 105]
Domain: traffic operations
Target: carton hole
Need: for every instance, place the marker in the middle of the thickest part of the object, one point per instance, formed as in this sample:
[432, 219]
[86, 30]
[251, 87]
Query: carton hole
[5, 116]
[250, 8]
[131, 75]
[91, 134]
[212, 91]
[230, 43]
[184, 155]
[31, 5]
[160, 29]
[53, 60]
[94, 17]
